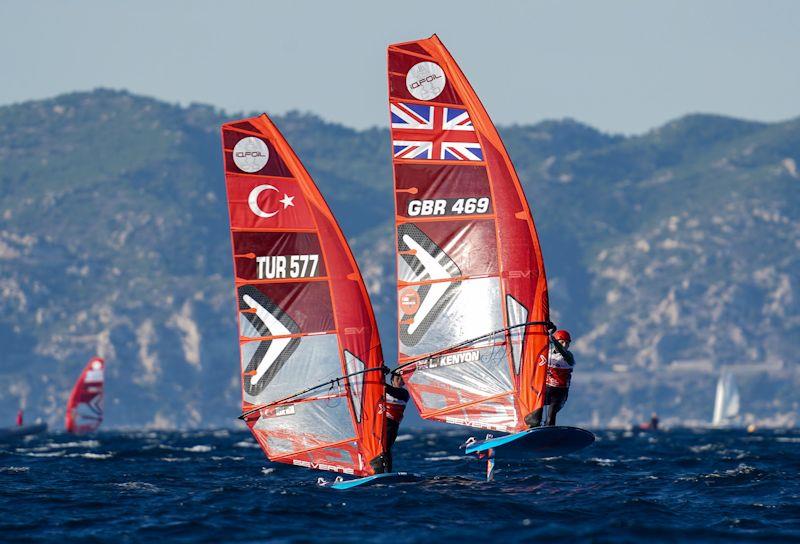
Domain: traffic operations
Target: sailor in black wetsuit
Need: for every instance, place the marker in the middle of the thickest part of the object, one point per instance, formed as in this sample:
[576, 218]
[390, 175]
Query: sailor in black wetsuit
[396, 399]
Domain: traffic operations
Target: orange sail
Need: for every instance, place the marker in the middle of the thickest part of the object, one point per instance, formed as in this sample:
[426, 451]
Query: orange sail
[85, 404]
[305, 317]
[473, 310]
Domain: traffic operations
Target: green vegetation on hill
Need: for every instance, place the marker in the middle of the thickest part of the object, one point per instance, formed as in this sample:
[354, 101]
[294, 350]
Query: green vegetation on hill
[675, 247]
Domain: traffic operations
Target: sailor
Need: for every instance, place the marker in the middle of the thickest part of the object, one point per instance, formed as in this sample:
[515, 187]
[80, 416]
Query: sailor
[396, 399]
[19, 418]
[651, 425]
[559, 374]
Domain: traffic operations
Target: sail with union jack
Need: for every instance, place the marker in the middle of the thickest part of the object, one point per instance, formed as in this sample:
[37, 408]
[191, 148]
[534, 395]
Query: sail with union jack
[473, 313]
[433, 132]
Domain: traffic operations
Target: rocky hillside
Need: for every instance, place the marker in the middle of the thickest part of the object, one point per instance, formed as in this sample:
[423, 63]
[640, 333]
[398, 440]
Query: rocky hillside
[670, 255]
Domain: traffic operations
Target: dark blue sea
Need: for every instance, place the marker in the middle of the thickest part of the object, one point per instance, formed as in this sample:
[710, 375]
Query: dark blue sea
[216, 486]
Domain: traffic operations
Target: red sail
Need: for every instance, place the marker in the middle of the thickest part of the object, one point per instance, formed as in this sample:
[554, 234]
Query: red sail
[85, 404]
[304, 313]
[471, 284]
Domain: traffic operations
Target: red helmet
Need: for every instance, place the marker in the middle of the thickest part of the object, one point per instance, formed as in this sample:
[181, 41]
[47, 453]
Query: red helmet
[562, 335]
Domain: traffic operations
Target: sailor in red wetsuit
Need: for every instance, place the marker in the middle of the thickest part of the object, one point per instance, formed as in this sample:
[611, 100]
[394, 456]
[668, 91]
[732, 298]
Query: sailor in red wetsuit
[19, 418]
[396, 400]
[559, 374]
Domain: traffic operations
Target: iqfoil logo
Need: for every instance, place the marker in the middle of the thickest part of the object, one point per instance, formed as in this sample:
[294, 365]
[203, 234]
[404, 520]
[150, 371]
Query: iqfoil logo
[250, 154]
[425, 80]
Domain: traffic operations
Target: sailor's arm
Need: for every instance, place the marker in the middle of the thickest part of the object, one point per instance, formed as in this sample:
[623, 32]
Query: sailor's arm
[568, 357]
[397, 392]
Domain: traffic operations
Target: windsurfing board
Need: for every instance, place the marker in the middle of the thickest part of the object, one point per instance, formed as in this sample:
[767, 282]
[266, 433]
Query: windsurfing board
[537, 442]
[385, 478]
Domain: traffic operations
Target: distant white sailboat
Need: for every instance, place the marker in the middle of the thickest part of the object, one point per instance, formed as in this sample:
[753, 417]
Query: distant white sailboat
[726, 404]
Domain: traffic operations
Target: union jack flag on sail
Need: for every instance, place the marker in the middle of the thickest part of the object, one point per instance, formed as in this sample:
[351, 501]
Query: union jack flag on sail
[433, 132]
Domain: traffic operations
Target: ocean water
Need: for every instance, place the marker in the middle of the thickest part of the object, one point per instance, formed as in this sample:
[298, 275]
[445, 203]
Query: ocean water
[216, 486]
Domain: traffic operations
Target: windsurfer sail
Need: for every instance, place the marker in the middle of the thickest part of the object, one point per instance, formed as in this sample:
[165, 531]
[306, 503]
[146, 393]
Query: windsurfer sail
[726, 403]
[473, 308]
[85, 404]
[311, 359]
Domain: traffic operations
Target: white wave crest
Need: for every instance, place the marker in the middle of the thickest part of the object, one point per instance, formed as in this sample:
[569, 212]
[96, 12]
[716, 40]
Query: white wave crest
[47, 454]
[137, 486]
[91, 455]
[246, 444]
[200, 448]
[446, 458]
[14, 470]
[78, 444]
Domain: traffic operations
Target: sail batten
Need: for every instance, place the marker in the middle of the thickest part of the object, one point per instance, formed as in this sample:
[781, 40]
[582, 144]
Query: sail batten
[472, 293]
[304, 312]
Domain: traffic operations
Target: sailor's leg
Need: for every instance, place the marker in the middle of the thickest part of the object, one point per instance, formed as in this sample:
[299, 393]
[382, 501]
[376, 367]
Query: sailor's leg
[534, 419]
[551, 419]
[558, 396]
[392, 428]
[548, 405]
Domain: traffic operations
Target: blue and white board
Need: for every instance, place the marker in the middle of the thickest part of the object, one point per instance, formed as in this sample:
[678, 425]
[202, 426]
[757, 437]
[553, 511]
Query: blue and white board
[537, 442]
[385, 478]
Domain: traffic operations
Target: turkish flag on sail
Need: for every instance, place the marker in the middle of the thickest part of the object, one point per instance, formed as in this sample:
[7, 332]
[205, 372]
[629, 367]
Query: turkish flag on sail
[269, 203]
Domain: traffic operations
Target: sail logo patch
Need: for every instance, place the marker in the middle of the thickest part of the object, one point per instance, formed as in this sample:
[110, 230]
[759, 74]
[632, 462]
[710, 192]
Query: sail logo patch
[425, 80]
[448, 206]
[409, 301]
[258, 209]
[250, 154]
[287, 266]
[542, 360]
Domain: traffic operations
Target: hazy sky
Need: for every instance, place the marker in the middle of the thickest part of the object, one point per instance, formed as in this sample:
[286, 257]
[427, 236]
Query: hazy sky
[622, 66]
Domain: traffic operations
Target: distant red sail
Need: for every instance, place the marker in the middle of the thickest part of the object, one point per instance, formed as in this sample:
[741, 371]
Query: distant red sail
[304, 313]
[85, 404]
[471, 283]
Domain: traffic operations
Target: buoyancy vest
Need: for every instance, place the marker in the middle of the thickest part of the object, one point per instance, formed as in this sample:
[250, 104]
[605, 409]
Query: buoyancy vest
[559, 369]
[396, 399]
